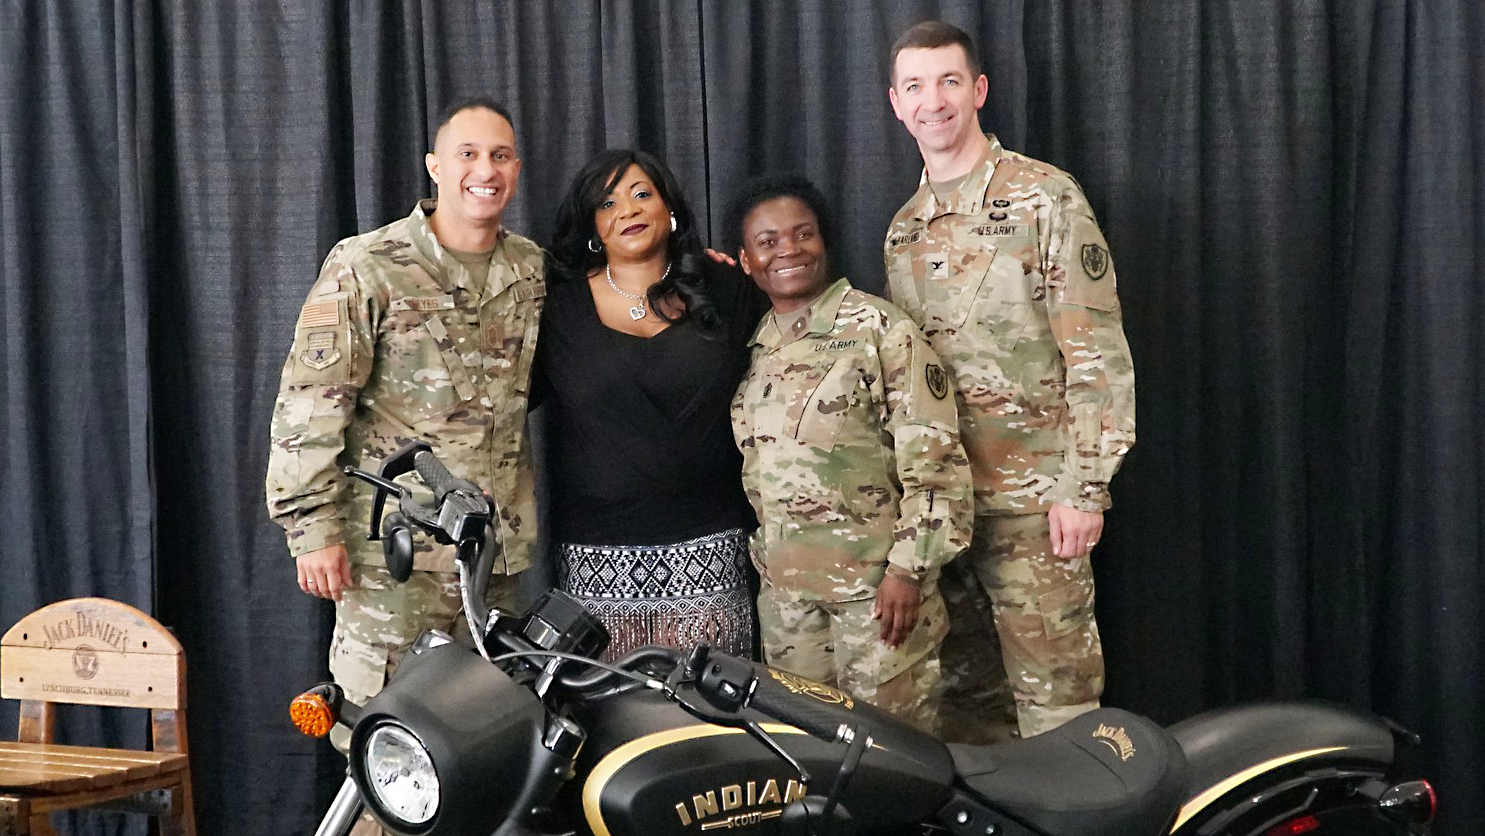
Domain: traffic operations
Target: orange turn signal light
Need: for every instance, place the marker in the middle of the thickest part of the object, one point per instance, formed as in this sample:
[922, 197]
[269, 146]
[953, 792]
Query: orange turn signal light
[311, 714]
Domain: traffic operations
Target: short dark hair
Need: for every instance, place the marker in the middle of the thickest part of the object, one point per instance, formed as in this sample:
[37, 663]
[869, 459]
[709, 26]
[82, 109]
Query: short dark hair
[766, 187]
[932, 34]
[475, 102]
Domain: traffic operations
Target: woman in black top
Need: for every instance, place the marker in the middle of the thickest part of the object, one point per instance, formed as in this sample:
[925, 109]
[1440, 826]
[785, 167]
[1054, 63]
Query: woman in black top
[643, 341]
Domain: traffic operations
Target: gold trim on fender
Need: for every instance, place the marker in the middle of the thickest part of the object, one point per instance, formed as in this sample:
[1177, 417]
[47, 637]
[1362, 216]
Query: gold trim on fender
[620, 757]
[1228, 784]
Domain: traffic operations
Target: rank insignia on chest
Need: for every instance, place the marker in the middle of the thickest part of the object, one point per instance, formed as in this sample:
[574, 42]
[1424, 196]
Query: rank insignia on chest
[1095, 261]
[937, 380]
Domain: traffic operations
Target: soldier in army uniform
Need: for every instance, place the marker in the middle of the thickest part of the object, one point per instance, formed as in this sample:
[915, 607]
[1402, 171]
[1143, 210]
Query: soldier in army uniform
[1000, 260]
[423, 329]
[852, 461]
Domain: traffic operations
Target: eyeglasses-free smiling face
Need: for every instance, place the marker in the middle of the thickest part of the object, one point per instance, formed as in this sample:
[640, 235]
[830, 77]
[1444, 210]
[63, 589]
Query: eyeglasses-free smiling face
[935, 97]
[783, 252]
[475, 165]
[632, 220]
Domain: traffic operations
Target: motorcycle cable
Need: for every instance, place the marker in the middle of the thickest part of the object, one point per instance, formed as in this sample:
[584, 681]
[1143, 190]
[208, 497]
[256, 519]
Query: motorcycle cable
[669, 689]
[647, 681]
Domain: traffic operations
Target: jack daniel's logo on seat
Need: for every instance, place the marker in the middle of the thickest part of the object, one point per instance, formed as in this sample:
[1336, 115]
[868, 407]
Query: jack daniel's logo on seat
[1116, 739]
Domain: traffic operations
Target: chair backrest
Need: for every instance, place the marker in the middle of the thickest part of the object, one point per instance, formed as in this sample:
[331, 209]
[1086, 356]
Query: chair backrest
[93, 651]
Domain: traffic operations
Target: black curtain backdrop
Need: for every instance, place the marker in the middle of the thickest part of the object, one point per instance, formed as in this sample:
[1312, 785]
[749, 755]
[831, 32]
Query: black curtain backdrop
[1292, 189]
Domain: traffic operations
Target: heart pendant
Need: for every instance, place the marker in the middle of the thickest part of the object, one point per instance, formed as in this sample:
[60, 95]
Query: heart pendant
[637, 312]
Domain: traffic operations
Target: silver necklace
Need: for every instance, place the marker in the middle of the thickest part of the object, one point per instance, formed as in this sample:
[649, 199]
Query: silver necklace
[637, 311]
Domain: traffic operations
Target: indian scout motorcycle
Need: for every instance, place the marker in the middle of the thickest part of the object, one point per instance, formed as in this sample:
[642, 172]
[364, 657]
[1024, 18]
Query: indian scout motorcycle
[526, 734]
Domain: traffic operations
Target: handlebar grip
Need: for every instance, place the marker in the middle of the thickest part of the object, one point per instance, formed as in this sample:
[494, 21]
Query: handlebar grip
[435, 475]
[805, 711]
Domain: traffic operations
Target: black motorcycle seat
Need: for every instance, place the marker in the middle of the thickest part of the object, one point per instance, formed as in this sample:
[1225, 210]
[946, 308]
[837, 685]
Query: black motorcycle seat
[1105, 772]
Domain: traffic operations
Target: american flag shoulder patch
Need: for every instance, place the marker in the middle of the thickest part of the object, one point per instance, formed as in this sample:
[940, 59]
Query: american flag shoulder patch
[319, 315]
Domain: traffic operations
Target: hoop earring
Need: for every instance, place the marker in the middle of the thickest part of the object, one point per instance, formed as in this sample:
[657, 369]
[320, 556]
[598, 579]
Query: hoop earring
[594, 246]
[672, 222]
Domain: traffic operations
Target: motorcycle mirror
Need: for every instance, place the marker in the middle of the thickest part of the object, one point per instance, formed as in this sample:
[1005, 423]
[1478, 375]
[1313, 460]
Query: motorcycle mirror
[397, 546]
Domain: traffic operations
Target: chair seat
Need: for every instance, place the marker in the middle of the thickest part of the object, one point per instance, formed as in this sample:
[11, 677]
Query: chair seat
[51, 769]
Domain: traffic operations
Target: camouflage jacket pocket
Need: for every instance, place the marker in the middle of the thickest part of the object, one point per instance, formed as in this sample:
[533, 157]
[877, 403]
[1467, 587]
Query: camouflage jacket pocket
[974, 282]
[1005, 302]
[823, 410]
[510, 323]
[418, 365]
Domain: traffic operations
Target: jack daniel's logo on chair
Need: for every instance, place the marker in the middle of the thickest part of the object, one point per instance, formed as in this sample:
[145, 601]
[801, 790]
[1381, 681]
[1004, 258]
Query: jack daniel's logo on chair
[84, 662]
[80, 626]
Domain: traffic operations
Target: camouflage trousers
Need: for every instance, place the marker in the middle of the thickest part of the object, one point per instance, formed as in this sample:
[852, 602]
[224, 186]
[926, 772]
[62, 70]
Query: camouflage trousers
[1022, 626]
[839, 644]
[378, 618]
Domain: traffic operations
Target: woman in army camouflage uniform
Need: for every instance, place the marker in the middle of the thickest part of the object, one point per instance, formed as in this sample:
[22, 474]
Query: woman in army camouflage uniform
[852, 462]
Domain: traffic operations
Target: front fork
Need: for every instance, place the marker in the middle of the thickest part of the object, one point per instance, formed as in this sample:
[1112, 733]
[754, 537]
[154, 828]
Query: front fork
[343, 812]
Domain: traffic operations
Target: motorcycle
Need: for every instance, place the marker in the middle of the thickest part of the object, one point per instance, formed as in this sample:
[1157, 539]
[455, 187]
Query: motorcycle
[525, 733]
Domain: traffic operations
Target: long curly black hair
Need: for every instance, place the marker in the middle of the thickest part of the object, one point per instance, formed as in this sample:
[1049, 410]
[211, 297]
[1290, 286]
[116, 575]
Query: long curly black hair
[570, 257]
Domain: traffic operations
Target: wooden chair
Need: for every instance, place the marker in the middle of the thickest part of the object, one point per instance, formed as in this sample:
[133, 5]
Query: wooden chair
[93, 651]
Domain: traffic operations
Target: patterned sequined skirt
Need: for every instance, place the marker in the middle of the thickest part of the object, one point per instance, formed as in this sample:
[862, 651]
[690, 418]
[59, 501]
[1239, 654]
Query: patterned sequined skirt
[677, 594]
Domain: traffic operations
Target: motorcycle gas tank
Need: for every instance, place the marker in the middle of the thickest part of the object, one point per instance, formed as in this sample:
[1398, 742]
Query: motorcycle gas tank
[649, 768]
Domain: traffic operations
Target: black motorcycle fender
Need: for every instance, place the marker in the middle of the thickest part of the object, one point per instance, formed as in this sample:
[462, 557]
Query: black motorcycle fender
[1230, 747]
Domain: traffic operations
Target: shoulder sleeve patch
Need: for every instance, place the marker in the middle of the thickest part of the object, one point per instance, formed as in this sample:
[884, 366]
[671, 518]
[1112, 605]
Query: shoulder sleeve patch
[321, 342]
[319, 315]
[1088, 269]
[1095, 261]
[937, 380]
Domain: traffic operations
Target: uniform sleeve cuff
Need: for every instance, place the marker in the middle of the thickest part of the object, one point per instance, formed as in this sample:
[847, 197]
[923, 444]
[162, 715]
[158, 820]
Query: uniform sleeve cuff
[315, 537]
[1092, 497]
[907, 560]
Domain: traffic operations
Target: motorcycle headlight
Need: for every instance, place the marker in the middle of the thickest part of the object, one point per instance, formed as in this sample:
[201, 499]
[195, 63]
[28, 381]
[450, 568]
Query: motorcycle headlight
[401, 775]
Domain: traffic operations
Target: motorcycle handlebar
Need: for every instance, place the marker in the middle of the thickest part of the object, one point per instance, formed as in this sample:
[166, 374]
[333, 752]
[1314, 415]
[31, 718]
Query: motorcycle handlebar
[730, 683]
[806, 712]
[435, 475]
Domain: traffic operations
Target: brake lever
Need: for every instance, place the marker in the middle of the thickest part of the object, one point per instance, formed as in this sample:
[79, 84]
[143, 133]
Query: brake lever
[687, 673]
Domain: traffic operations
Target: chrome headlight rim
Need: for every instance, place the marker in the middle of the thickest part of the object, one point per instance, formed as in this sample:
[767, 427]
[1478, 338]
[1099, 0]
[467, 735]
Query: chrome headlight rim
[371, 791]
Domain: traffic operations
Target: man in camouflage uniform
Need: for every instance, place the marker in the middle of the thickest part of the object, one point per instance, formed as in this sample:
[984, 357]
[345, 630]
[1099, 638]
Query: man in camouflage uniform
[423, 329]
[999, 258]
[852, 461]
